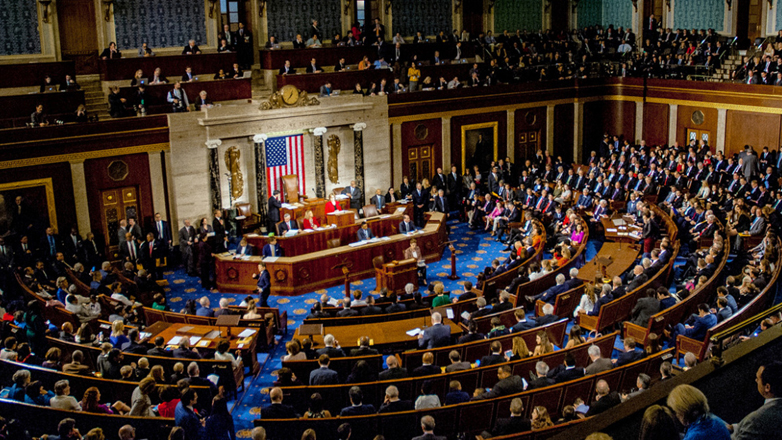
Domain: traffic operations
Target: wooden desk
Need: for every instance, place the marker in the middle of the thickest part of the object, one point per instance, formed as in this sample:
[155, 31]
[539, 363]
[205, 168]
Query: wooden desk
[322, 269]
[16, 109]
[390, 208]
[448, 71]
[325, 56]
[341, 218]
[32, 74]
[172, 66]
[318, 207]
[216, 90]
[345, 80]
[624, 255]
[612, 232]
[390, 335]
[313, 241]
[168, 330]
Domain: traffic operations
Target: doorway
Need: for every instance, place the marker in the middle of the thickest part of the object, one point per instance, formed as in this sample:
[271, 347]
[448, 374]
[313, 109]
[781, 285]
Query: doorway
[653, 7]
[419, 163]
[117, 204]
[472, 17]
[749, 15]
[78, 34]
[527, 144]
[698, 135]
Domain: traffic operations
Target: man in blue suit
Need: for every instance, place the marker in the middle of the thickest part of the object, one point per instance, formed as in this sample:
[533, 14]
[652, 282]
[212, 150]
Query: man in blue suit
[272, 248]
[365, 233]
[438, 335]
[287, 225]
[185, 416]
[244, 248]
[551, 293]
[630, 354]
[357, 406]
[324, 375]
[406, 226]
[584, 200]
[264, 283]
[701, 324]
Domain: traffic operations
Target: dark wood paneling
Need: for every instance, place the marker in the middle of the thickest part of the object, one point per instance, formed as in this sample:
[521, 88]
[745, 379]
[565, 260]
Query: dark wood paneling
[60, 173]
[522, 119]
[757, 130]
[617, 118]
[655, 128]
[563, 131]
[434, 137]
[684, 121]
[15, 110]
[78, 34]
[173, 67]
[456, 133]
[96, 172]
[32, 74]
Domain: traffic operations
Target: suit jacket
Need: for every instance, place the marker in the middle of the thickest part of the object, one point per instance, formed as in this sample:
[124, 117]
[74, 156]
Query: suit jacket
[426, 370]
[438, 335]
[600, 365]
[606, 402]
[628, 357]
[637, 282]
[644, 309]
[287, 226]
[379, 201]
[278, 411]
[392, 373]
[409, 253]
[546, 319]
[540, 382]
[365, 234]
[511, 425]
[761, 424]
[492, 359]
[324, 376]
[568, 375]
[361, 410]
[289, 71]
[267, 250]
[507, 386]
[186, 234]
[332, 352]
[404, 228]
[355, 197]
[397, 406]
[274, 209]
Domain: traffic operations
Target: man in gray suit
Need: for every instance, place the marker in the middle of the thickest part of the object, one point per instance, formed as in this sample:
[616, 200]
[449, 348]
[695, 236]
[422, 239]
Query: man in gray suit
[355, 195]
[750, 162]
[599, 363]
[187, 236]
[438, 335]
[645, 308]
[507, 384]
[764, 423]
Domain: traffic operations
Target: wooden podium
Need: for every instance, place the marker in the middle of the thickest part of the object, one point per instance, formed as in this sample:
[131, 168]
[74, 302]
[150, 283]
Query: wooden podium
[396, 274]
[341, 218]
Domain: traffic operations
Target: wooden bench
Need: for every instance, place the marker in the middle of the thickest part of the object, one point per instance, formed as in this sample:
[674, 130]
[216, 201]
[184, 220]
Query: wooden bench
[56, 315]
[342, 365]
[564, 304]
[507, 318]
[494, 284]
[470, 417]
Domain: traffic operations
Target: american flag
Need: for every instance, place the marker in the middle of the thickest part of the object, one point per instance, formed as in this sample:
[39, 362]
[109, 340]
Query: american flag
[284, 155]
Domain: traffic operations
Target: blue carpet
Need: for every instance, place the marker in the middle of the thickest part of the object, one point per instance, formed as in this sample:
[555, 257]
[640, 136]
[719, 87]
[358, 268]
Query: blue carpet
[475, 250]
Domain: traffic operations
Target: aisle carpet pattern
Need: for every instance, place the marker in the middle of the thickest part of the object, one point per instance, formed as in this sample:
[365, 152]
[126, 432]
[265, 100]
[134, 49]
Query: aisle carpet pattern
[475, 250]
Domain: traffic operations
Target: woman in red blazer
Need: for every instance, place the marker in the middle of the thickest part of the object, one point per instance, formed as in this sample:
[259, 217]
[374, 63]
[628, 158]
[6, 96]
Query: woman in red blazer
[309, 222]
[332, 205]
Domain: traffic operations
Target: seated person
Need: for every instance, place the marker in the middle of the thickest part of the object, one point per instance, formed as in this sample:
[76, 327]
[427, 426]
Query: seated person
[365, 233]
[224, 47]
[310, 222]
[188, 76]
[191, 48]
[287, 69]
[287, 225]
[325, 89]
[313, 67]
[202, 102]
[111, 52]
[272, 248]
[236, 72]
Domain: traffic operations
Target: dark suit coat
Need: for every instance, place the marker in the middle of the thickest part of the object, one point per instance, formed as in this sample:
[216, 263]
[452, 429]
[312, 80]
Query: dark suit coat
[397, 406]
[546, 319]
[363, 351]
[438, 335]
[287, 226]
[156, 351]
[606, 402]
[637, 282]
[568, 375]
[521, 326]
[361, 410]
[501, 307]
[332, 352]
[511, 425]
[404, 228]
[267, 250]
[426, 370]
[507, 386]
[492, 359]
[540, 383]
[324, 376]
[644, 309]
[278, 411]
[761, 424]
[365, 234]
[274, 209]
[392, 373]
[627, 357]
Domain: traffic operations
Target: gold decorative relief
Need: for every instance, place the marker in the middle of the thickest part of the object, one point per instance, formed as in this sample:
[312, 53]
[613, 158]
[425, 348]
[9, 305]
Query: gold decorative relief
[334, 146]
[232, 156]
[289, 96]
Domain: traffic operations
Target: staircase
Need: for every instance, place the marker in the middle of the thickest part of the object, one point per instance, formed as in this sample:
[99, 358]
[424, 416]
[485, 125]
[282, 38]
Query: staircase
[728, 65]
[94, 97]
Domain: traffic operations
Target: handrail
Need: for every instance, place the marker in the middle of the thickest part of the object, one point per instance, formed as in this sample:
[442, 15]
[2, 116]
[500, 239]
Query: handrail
[727, 338]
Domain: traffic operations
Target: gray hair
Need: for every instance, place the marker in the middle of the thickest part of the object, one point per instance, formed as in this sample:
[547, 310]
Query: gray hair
[548, 309]
[329, 339]
[409, 288]
[594, 351]
[541, 368]
[480, 302]
[224, 302]
[646, 263]
[573, 272]
[504, 295]
[392, 391]
[561, 279]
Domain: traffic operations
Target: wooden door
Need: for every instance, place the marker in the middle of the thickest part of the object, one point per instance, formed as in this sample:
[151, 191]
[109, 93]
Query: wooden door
[560, 15]
[653, 7]
[117, 204]
[748, 21]
[78, 34]
[698, 135]
[472, 17]
[527, 144]
[419, 163]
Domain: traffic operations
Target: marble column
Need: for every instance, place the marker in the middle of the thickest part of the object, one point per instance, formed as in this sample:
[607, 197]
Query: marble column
[396, 149]
[639, 120]
[158, 185]
[446, 143]
[673, 114]
[549, 129]
[259, 142]
[80, 197]
[578, 130]
[320, 167]
[510, 144]
[358, 154]
[722, 122]
[214, 173]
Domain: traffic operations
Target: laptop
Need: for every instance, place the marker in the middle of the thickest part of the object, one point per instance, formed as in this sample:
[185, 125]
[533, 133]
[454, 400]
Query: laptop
[143, 81]
[52, 88]
[335, 92]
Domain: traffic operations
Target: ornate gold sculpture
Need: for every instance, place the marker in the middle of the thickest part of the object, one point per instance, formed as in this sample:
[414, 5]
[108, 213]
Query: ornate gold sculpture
[289, 96]
[334, 147]
[232, 156]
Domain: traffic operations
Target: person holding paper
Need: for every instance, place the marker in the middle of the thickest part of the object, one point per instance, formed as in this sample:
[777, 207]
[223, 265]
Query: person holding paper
[365, 233]
[310, 222]
[438, 335]
[287, 225]
[414, 252]
[264, 283]
[244, 248]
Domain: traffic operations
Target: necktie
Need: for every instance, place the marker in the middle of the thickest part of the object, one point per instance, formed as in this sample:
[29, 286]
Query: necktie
[132, 250]
[151, 248]
[51, 244]
[274, 253]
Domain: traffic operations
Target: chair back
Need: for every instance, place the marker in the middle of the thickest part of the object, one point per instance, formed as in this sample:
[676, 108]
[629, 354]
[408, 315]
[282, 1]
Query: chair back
[370, 211]
[290, 185]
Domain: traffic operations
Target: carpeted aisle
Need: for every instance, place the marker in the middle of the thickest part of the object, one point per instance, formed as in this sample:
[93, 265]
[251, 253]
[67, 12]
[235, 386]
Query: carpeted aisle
[475, 250]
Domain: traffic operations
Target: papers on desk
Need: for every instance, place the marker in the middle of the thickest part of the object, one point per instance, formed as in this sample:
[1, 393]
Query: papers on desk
[358, 243]
[399, 211]
[246, 333]
[414, 332]
[204, 343]
[176, 340]
[252, 235]
[194, 340]
[288, 206]
[291, 232]
[240, 217]
[270, 259]
[144, 335]
[610, 230]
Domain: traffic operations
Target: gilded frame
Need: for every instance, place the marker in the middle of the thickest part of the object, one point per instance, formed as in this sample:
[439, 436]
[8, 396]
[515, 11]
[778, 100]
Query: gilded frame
[465, 128]
[48, 188]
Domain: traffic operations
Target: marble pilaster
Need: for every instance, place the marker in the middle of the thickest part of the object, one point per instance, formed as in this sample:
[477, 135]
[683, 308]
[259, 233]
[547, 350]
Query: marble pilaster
[320, 167]
[79, 182]
[549, 129]
[673, 113]
[259, 144]
[358, 154]
[722, 122]
[214, 173]
[510, 135]
[446, 143]
[639, 120]
[158, 185]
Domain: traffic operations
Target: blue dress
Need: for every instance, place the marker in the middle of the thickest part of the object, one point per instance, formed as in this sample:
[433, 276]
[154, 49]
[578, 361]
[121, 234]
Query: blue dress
[708, 427]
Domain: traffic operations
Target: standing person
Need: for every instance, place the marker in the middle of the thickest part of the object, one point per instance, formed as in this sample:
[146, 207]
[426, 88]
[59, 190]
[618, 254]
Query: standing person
[274, 210]
[220, 424]
[264, 283]
[204, 251]
[244, 46]
[187, 237]
[221, 237]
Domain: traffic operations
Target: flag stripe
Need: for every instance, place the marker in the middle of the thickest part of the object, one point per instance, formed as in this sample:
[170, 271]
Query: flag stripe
[284, 156]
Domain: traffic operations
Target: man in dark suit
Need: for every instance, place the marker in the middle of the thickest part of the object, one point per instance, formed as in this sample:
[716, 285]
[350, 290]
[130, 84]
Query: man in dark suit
[514, 424]
[427, 367]
[288, 224]
[604, 400]
[272, 248]
[220, 237]
[133, 345]
[71, 246]
[184, 351]
[548, 316]
[244, 248]
[438, 335]
[277, 410]
[764, 422]
[379, 200]
[494, 176]
[313, 67]
[363, 348]
[191, 48]
[427, 426]
[357, 406]
[440, 202]
[507, 384]
[392, 403]
[541, 380]
[49, 245]
[522, 323]
[287, 69]
[420, 200]
[495, 357]
[406, 226]
[394, 371]
[639, 278]
[323, 375]
[160, 348]
[274, 210]
[567, 371]
[263, 287]
[148, 254]
[453, 187]
[331, 348]
[356, 198]
[365, 233]
[645, 308]
[630, 354]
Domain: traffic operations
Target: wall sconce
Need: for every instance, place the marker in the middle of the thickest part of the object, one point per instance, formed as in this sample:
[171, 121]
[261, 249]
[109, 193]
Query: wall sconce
[261, 7]
[635, 5]
[491, 5]
[45, 4]
[457, 4]
[347, 6]
[575, 5]
[388, 6]
[108, 4]
[668, 4]
[729, 2]
[212, 4]
[547, 6]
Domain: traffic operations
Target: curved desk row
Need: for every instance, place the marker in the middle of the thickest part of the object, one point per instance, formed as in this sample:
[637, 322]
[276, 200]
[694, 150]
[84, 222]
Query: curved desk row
[322, 269]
